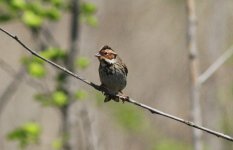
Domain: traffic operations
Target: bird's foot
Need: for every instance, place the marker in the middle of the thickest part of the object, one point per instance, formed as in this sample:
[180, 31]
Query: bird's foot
[123, 97]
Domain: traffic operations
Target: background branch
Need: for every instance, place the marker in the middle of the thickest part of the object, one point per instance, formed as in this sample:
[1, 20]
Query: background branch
[194, 73]
[69, 62]
[91, 138]
[49, 37]
[29, 81]
[217, 64]
[11, 88]
[129, 100]
[7, 68]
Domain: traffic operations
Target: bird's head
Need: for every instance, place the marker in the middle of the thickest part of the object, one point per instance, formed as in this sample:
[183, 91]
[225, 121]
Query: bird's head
[106, 55]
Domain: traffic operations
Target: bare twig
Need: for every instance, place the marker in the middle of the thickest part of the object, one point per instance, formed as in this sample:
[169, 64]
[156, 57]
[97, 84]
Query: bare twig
[29, 81]
[129, 100]
[10, 89]
[7, 68]
[214, 67]
[49, 37]
[194, 72]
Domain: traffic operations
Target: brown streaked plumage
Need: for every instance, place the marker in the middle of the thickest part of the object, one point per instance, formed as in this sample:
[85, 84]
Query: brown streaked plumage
[112, 71]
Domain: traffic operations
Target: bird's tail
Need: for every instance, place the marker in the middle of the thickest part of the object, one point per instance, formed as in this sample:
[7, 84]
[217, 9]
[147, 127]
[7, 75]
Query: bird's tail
[108, 98]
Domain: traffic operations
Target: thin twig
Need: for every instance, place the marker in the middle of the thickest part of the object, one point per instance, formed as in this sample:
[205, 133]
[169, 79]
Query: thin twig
[49, 37]
[7, 68]
[129, 100]
[29, 81]
[11, 89]
[217, 64]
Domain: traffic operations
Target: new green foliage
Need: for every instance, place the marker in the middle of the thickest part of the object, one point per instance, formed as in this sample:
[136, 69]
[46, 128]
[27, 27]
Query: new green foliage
[82, 62]
[57, 144]
[31, 13]
[32, 19]
[26, 134]
[36, 69]
[87, 11]
[36, 66]
[80, 94]
[59, 98]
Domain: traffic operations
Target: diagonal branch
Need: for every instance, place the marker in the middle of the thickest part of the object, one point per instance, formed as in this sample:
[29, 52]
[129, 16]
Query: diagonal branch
[7, 68]
[129, 100]
[11, 89]
[29, 81]
[214, 67]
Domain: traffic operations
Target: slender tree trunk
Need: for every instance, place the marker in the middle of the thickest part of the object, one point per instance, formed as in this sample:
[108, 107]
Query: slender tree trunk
[194, 73]
[69, 62]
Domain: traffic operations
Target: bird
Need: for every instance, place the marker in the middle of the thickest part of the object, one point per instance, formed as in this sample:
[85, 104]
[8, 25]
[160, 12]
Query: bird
[112, 72]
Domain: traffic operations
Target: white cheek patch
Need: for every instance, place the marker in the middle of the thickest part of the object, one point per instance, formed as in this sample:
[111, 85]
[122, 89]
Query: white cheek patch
[112, 61]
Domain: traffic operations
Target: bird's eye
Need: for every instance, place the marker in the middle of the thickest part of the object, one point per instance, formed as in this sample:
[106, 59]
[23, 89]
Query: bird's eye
[105, 53]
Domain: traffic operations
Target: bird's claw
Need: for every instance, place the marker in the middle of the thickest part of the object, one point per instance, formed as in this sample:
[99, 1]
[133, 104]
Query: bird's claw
[125, 98]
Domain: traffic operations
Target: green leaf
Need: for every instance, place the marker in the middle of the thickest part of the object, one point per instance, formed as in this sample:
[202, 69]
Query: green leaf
[82, 62]
[92, 21]
[5, 17]
[44, 99]
[17, 133]
[36, 7]
[57, 3]
[53, 14]
[80, 94]
[18, 4]
[59, 98]
[27, 60]
[26, 134]
[36, 69]
[88, 8]
[31, 19]
[57, 144]
[53, 53]
[33, 129]
[87, 14]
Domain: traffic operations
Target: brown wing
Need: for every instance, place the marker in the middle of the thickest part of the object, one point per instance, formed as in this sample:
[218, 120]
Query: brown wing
[122, 64]
[125, 69]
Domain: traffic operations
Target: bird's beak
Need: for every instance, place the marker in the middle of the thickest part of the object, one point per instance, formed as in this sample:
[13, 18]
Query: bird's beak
[97, 55]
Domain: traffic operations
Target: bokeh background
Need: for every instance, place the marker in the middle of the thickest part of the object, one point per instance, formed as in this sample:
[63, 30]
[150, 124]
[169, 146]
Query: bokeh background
[41, 108]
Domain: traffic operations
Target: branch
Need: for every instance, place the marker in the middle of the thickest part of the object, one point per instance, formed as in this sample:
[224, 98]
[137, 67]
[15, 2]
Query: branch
[10, 89]
[49, 37]
[88, 128]
[7, 68]
[129, 100]
[69, 62]
[13, 73]
[217, 64]
[194, 72]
